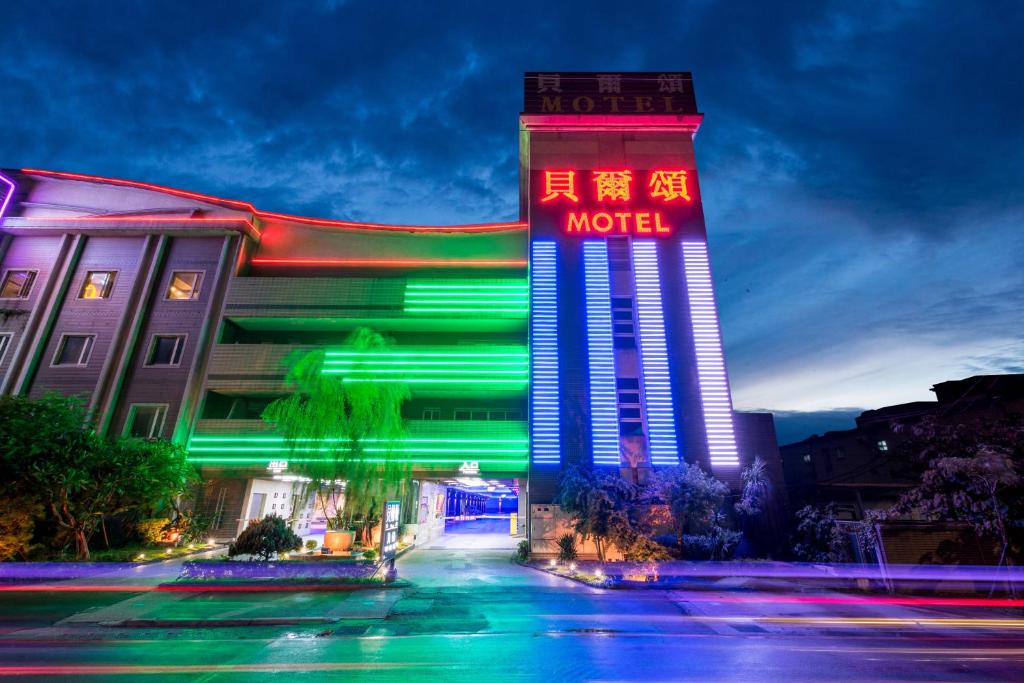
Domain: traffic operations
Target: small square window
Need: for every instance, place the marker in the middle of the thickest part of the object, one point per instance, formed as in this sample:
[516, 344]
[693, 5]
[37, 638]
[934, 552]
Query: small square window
[629, 398]
[463, 414]
[629, 428]
[622, 315]
[629, 413]
[17, 284]
[628, 383]
[146, 421]
[883, 445]
[166, 349]
[184, 285]
[807, 457]
[514, 415]
[622, 302]
[5, 342]
[74, 349]
[97, 285]
[625, 342]
[479, 415]
[624, 328]
[431, 413]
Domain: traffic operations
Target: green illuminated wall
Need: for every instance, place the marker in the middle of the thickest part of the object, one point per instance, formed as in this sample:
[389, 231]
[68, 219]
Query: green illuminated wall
[484, 298]
[485, 365]
[497, 447]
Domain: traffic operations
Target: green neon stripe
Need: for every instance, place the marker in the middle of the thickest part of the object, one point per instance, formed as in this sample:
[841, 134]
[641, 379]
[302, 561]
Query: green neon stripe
[438, 380]
[324, 449]
[427, 355]
[444, 371]
[524, 295]
[467, 287]
[456, 363]
[326, 440]
[282, 440]
[449, 309]
[427, 461]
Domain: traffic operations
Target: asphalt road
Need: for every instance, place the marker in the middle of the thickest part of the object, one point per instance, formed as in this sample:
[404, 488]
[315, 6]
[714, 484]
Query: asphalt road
[470, 614]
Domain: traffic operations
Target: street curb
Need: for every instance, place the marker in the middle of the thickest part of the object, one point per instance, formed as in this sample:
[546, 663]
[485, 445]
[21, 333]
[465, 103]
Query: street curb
[277, 587]
[216, 623]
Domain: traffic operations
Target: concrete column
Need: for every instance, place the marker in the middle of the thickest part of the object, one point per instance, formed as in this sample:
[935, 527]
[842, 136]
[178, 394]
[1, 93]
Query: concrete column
[41, 320]
[122, 348]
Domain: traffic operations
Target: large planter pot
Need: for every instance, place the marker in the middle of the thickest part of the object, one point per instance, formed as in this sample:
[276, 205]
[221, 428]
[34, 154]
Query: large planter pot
[339, 541]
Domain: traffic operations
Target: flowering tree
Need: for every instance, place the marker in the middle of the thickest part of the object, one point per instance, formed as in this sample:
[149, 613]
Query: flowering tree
[973, 476]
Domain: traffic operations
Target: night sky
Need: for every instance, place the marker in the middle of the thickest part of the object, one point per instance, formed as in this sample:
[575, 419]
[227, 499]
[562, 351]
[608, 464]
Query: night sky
[862, 164]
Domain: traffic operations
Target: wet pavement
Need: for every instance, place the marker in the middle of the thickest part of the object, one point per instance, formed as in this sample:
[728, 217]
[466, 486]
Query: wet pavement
[470, 613]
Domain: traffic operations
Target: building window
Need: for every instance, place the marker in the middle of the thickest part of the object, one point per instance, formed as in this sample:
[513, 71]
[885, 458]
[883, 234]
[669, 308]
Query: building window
[629, 413]
[17, 284]
[807, 457]
[184, 285]
[97, 285]
[166, 349]
[146, 421]
[629, 398]
[5, 341]
[883, 445]
[463, 414]
[431, 413]
[74, 349]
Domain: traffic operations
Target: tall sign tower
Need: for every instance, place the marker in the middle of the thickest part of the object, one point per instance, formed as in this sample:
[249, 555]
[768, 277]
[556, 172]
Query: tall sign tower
[626, 353]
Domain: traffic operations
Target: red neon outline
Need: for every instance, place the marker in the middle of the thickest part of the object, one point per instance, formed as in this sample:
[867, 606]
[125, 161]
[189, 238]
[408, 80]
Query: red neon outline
[247, 206]
[137, 219]
[391, 263]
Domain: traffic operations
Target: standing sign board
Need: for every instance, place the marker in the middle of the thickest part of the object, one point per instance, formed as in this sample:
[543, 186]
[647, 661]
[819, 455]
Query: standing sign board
[389, 533]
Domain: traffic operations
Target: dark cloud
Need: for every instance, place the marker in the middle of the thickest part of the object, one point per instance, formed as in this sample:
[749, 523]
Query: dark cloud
[861, 162]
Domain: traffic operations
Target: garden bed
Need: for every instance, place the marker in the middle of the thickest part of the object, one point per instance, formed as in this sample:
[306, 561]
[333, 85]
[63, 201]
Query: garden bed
[333, 571]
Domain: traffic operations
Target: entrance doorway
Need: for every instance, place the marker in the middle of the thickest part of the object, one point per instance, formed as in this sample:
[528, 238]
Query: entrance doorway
[480, 514]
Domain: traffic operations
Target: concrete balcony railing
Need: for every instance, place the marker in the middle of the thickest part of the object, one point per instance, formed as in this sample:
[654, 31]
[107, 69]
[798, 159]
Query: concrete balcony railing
[249, 368]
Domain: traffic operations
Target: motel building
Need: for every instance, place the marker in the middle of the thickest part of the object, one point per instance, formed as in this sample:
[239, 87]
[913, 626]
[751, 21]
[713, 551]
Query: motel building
[585, 331]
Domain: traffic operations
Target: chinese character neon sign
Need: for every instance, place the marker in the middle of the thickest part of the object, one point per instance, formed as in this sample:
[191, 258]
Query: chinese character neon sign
[630, 202]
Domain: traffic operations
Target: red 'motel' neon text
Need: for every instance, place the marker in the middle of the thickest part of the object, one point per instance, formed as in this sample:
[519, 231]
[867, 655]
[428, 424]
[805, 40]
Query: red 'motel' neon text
[618, 222]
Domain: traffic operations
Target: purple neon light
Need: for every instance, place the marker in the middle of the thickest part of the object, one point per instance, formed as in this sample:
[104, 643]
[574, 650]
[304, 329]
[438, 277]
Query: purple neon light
[707, 342]
[7, 191]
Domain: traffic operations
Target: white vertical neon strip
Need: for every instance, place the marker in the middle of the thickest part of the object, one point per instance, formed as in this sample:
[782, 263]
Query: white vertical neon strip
[715, 396]
[661, 428]
[604, 418]
[544, 422]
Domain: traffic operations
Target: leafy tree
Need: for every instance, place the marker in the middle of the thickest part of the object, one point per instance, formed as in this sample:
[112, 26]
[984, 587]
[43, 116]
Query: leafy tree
[973, 475]
[610, 510]
[756, 489]
[265, 539]
[79, 476]
[820, 537]
[344, 417]
[694, 499]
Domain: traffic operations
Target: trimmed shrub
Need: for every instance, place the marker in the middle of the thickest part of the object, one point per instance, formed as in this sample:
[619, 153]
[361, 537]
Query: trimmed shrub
[523, 551]
[152, 531]
[370, 554]
[567, 547]
[311, 545]
[265, 539]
